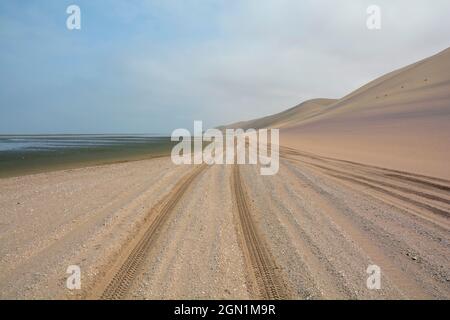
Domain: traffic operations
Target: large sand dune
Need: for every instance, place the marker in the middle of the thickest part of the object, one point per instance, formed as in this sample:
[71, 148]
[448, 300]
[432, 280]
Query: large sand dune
[398, 121]
[304, 111]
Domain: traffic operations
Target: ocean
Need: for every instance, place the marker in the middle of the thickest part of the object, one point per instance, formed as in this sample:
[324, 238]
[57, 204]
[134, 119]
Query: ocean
[25, 154]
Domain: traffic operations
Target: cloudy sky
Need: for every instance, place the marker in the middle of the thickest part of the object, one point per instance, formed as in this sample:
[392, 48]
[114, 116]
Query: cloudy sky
[150, 66]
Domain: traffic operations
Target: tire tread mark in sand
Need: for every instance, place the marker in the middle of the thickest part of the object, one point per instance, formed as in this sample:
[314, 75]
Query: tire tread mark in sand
[269, 283]
[411, 179]
[335, 172]
[432, 209]
[122, 280]
[401, 175]
[357, 179]
[383, 256]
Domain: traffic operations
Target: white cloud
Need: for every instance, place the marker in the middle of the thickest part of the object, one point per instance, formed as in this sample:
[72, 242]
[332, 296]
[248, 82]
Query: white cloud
[223, 61]
[271, 55]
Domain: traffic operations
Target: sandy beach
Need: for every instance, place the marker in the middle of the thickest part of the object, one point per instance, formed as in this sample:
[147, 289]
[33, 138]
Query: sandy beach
[192, 231]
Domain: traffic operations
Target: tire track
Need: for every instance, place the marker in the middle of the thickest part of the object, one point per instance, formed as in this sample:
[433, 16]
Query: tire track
[432, 182]
[435, 211]
[121, 277]
[418, 181]
[422, 194]
[264, 270]
[378, 186]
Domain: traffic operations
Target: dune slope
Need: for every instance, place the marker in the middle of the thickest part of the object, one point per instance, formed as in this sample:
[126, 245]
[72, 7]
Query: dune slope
[303, 111]
[399, 121]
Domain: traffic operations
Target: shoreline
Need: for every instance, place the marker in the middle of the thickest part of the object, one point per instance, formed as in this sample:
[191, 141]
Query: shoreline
[15, 163]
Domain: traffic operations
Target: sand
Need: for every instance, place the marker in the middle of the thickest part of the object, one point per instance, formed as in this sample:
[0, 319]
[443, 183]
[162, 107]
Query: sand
[399, 121]
[363, 181]
[309, 232]
[79, 217]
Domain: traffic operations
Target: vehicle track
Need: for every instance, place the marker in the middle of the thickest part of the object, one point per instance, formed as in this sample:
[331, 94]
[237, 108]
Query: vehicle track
[431, 200]
[121, 277]
[418, 204]
[364, 232]
[432, 182]
[422, 194]
[263, 267]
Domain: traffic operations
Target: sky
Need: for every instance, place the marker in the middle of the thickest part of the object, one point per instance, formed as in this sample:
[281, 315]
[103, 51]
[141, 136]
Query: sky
[151, 66]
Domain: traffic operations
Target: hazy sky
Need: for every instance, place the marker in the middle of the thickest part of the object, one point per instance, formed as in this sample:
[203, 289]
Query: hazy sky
[148, 66]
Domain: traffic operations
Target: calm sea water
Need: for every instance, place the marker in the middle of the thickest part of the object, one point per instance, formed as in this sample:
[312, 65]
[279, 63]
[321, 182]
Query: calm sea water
[38, 153]
[56, 142]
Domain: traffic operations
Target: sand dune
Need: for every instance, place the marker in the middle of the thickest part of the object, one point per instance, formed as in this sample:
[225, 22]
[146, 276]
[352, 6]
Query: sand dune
[304, 111]
[398, 121]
